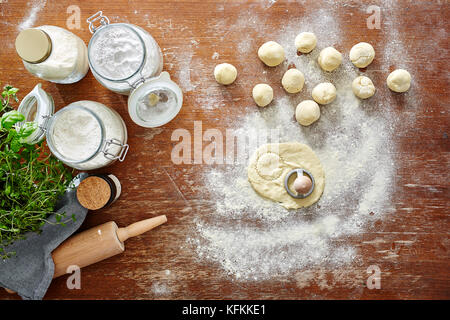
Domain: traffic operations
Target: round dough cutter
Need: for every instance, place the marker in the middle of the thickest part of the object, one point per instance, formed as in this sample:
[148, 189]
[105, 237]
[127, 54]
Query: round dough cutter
[299, 173]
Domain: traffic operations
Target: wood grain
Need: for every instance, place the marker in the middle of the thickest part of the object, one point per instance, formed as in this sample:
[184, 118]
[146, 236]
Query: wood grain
[411, 245]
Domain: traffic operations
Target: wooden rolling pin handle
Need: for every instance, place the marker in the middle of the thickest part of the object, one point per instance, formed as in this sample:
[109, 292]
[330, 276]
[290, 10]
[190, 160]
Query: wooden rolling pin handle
[109, 240]
[140, 227]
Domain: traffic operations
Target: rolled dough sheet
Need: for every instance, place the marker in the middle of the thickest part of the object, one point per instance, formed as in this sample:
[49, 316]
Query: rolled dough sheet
[270, 164]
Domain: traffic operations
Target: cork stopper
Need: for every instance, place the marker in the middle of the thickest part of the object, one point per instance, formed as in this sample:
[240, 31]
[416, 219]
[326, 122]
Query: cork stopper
[33, 45]
[94, 193]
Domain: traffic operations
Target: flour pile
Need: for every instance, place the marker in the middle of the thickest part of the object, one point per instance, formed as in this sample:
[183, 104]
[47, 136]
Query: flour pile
[354, 151]
[255, 239]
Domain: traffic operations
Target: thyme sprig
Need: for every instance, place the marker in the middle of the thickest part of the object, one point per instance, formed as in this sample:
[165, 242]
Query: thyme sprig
[31, 179]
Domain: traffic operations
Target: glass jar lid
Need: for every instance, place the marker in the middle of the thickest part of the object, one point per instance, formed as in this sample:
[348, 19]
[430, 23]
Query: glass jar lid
[37, 106]
[155, 102]
[116, 52]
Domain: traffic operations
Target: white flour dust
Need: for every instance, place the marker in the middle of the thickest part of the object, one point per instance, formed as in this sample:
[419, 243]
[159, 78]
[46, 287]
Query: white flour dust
[183, 60]
[29, 20]
[255, 239]
[268, 3]
[160, 289]
[178, 57]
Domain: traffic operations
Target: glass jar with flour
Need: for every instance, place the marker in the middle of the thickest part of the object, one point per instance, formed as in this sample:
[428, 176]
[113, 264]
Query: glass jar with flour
[53, 54]
[85, 135]
[126, 59]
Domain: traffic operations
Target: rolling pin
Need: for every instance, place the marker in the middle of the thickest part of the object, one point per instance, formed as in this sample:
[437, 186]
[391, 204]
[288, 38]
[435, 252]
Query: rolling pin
[97, 244]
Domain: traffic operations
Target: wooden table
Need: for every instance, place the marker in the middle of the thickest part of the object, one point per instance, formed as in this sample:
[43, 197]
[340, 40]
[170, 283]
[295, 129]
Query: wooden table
[410, 246]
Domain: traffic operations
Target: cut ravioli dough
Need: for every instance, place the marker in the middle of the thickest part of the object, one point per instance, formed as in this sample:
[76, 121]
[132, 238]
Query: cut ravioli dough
[270, 164]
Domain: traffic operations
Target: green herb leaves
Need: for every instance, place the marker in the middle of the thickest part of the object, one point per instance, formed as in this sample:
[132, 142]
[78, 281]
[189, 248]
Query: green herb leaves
[10, 118]
[9, 92]
[31, 180]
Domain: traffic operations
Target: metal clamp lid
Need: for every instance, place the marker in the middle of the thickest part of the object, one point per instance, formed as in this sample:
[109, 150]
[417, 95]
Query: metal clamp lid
[115, 142]
[104, 21]
[140, 80]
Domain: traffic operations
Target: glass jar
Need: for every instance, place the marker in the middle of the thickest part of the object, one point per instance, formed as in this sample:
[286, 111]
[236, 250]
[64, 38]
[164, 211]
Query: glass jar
[97, 191]
[121, 55]
[53, 54]
[85, 135]
[126, 59]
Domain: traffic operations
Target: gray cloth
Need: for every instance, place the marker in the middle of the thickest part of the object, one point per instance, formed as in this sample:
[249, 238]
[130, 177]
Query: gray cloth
[30, 271]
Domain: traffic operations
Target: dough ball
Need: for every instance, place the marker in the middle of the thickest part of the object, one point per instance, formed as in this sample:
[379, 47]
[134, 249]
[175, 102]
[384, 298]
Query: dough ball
[305, 42]
[271, 53]
[225, 73]
[363, 87]
[293, 81]
[302, 184]
[324, 93]
[307, 112]
[329, 59]
[362, 54]
[399, 80]
[262, 94]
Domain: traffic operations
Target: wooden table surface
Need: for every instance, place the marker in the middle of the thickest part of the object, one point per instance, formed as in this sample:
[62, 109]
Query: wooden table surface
[410, 246]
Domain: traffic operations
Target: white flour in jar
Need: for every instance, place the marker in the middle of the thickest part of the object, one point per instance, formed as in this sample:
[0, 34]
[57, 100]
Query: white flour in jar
[67, 62]
[117, 53]
[76, 134]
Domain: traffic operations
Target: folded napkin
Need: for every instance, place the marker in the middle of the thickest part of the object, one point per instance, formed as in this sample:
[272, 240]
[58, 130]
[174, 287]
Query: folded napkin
[30, 271]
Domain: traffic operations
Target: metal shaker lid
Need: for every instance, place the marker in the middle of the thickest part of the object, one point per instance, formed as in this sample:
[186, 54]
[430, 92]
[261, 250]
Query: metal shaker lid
[33, 45]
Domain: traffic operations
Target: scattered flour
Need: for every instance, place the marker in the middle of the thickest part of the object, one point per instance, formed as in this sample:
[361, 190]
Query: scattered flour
[255, 239]
[178, 57]
[354, 149]
[182, 60]
[266, 4]
[184, 69]
[29, 20]
[160, 289]
[149, 133]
